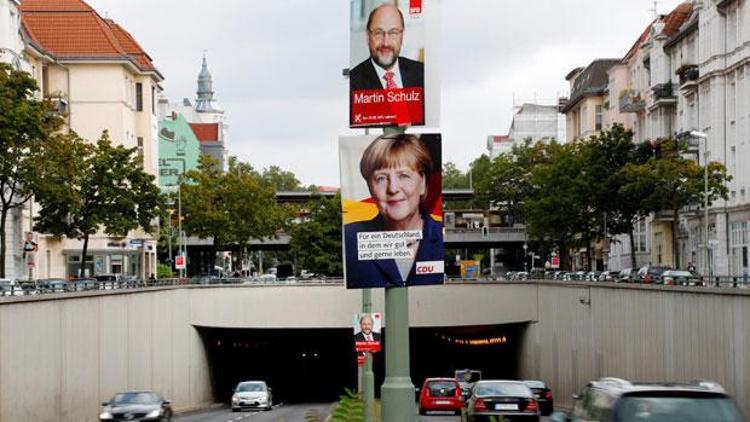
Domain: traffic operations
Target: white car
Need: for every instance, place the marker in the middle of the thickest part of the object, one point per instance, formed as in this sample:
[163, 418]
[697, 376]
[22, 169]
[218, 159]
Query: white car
[10, 287]
[252, 395]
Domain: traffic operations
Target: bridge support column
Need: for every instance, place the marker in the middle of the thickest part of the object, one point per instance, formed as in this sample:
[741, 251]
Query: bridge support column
[397, 390]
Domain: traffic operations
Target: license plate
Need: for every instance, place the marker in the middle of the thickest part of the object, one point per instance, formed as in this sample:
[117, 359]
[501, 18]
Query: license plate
[503, 406]
[442, 402]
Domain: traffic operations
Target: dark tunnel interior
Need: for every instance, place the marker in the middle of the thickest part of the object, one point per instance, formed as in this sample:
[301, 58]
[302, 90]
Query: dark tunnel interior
[315, 365]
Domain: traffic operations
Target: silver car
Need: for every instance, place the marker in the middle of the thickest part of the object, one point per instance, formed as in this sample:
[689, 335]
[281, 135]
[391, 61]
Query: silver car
[252, 395]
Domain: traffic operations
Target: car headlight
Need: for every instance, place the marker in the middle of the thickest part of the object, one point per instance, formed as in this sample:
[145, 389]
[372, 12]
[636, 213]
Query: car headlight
[235, 399]
[105, 415]
[154, 413]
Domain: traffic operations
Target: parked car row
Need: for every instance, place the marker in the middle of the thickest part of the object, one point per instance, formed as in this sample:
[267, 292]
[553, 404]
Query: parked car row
[648, 274]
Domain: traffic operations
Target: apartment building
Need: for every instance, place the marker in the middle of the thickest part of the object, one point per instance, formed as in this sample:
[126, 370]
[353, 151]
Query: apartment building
[102, 79]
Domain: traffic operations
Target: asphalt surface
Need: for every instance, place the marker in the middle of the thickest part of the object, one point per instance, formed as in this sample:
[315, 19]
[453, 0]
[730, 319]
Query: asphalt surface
[289, 413]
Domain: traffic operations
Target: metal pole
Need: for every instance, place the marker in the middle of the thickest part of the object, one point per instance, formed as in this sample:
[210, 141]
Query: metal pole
[397, 390]
[368, 377]
[705, 203]
[179, 225]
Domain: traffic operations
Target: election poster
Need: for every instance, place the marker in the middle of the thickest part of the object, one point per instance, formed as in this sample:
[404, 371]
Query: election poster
[392, 210]
[393, 78]
[367, 329]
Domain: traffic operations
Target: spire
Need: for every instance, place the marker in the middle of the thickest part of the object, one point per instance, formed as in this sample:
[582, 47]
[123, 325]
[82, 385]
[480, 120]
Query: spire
[205, 85]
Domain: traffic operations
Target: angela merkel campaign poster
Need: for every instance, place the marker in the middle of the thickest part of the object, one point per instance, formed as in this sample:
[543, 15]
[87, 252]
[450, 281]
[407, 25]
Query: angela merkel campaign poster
[390, 80]
[391, 200]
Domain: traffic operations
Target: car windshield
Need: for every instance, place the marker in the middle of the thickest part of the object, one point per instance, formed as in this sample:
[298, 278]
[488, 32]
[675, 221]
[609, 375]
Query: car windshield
[442, 388]
[514, 389]
[674, 409]
[468, 375]
[135, 398]
[678, 273]
[535, 384]
[247, 387]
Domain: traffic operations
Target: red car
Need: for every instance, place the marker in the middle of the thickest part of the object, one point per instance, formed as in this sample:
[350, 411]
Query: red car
[440, 394]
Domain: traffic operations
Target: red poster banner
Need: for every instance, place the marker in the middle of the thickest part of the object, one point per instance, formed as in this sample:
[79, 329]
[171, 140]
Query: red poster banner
[387, 107]
[415, 7]
[367, 346]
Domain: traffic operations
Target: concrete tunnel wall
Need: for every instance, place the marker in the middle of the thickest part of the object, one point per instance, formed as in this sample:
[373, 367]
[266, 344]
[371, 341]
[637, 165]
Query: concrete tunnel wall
[59, 359]
[640, 333]
[61, 355]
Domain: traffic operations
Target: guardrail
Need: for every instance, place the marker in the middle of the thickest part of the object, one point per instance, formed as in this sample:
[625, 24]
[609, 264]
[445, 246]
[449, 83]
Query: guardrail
[28, 288]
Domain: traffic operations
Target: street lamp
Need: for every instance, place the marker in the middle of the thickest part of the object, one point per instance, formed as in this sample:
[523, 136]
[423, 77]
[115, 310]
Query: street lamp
[525, 257]
[704, 137]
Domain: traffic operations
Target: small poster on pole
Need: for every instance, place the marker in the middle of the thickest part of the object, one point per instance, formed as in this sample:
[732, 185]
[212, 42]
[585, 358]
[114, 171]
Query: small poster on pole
[367, 328]
[179, 262]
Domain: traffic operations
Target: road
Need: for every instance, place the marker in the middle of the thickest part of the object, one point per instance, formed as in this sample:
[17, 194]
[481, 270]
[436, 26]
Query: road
[288, 413]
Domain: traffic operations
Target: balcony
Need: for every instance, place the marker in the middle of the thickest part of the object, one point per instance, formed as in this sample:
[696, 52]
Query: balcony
[663, 95]
[663, 92]
[689, 75]
[631, 102]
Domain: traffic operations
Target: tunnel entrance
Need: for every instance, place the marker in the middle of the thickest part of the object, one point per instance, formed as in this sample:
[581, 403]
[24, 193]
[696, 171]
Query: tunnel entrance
[315, 365]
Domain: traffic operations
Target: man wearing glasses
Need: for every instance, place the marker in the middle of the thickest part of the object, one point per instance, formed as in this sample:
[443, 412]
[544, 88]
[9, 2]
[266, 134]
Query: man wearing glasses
[384, 69]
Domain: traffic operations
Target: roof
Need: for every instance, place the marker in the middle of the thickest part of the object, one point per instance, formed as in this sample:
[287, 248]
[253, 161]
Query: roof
[206, 132]
[73, 30]
[674, 20]
[622, 386]
[592, 81]
[498, 139]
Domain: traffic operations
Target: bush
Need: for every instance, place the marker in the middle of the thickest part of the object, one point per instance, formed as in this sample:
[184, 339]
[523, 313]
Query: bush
[164, 271]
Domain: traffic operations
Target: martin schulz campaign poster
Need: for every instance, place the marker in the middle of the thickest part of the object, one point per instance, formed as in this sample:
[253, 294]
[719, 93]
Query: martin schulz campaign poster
[391, 80]
[392, 210]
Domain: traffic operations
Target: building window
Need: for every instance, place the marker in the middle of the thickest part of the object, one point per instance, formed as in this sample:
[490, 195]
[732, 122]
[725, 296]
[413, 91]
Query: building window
[138, 96]
[153, 100]
[598, 117]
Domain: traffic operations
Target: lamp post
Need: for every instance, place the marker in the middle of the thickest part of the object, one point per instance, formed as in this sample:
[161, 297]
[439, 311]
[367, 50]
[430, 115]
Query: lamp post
[525, 257]
[704, 137]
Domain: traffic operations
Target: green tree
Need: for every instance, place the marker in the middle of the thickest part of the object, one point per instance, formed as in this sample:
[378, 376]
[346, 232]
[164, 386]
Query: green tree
[282, 180]
[251, 206]
[230, 208]
[103, 187]
[453, 177]
[668, 182]
[25, 124]
[316, 242]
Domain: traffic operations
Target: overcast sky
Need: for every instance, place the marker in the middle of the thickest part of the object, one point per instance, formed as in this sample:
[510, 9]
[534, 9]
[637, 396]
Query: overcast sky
[276, 65]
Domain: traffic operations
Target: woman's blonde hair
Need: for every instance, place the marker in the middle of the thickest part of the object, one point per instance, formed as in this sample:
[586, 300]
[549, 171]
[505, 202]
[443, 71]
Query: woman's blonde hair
[390, 151]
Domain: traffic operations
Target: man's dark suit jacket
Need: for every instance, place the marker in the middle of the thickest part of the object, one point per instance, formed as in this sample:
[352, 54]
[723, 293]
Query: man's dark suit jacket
[360, 336]
[384, 272]
[364, 76]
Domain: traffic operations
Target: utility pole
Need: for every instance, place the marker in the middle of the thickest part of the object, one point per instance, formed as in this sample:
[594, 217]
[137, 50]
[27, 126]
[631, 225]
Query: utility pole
[397, 390]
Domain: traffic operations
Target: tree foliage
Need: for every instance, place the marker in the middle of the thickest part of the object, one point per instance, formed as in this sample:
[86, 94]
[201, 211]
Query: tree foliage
[593, 189]
[25, 124]
[232, 207]
[316, 242]
[101, 186]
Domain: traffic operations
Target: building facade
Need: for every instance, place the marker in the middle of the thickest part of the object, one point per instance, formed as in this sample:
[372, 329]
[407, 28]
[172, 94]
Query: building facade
[584, 110]
[205, 116]
[688, 72]
[101, 79]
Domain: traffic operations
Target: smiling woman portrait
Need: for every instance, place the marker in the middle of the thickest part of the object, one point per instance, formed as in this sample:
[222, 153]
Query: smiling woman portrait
[397, 169]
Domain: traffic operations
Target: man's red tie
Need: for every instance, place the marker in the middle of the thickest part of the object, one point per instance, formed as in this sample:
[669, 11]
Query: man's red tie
[389, 82]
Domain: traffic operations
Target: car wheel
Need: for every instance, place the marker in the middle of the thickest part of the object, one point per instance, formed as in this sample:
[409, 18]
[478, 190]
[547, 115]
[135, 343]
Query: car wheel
[267, 408]
[235, 410]
[458, 413]
[422, 411]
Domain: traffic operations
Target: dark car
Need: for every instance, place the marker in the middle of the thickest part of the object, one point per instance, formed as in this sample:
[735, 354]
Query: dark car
[650, 274]
[440, 394]
[81, 284]
[466, 379]
[614, 399]
[52, 285]
[136, 406]
[543, 395]
[493, 400]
